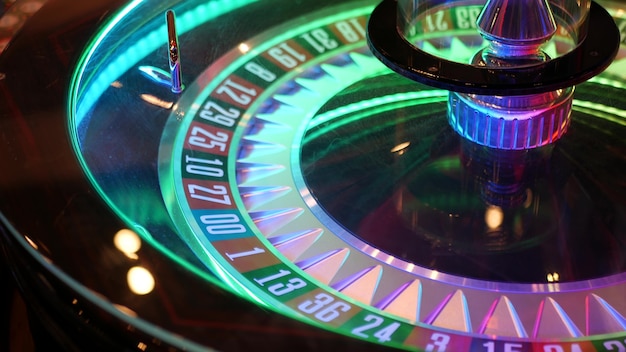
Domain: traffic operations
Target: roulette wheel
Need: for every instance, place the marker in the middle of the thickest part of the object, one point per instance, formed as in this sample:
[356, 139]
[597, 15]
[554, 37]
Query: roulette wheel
[318, 175]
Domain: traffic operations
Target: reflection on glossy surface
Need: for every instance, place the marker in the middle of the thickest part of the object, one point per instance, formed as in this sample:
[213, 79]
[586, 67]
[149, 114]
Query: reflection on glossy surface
[128, 242]
[553, 277]
[125, 310]
[401, 148]
[13, 15]
[156, 101]
[494, 217]
[140, 280]
[31, 243]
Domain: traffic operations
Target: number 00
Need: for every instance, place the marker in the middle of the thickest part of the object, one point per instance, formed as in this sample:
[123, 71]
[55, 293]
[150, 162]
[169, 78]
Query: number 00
[223, 224]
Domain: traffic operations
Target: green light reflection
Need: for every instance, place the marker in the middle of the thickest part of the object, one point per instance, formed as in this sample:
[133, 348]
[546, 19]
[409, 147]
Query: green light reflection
[90, 80]
[374, 106]
[135, 52]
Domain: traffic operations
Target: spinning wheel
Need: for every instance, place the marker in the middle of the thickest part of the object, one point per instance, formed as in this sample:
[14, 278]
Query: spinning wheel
[321, 175]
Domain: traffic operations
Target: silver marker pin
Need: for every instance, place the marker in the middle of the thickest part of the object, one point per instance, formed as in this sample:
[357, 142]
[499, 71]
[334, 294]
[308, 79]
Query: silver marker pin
[174, 53]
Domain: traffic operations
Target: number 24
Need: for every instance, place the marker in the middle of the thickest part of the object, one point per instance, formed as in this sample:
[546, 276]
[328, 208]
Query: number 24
[374, 321]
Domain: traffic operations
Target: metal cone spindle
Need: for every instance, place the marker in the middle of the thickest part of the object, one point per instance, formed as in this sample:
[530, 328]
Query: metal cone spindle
[517, 22]
[515, 30]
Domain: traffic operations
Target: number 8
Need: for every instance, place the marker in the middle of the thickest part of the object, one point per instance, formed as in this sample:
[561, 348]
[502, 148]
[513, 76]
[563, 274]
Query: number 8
[260, 72]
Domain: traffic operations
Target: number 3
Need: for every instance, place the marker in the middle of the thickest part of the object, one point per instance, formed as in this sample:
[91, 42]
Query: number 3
[439, 343]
